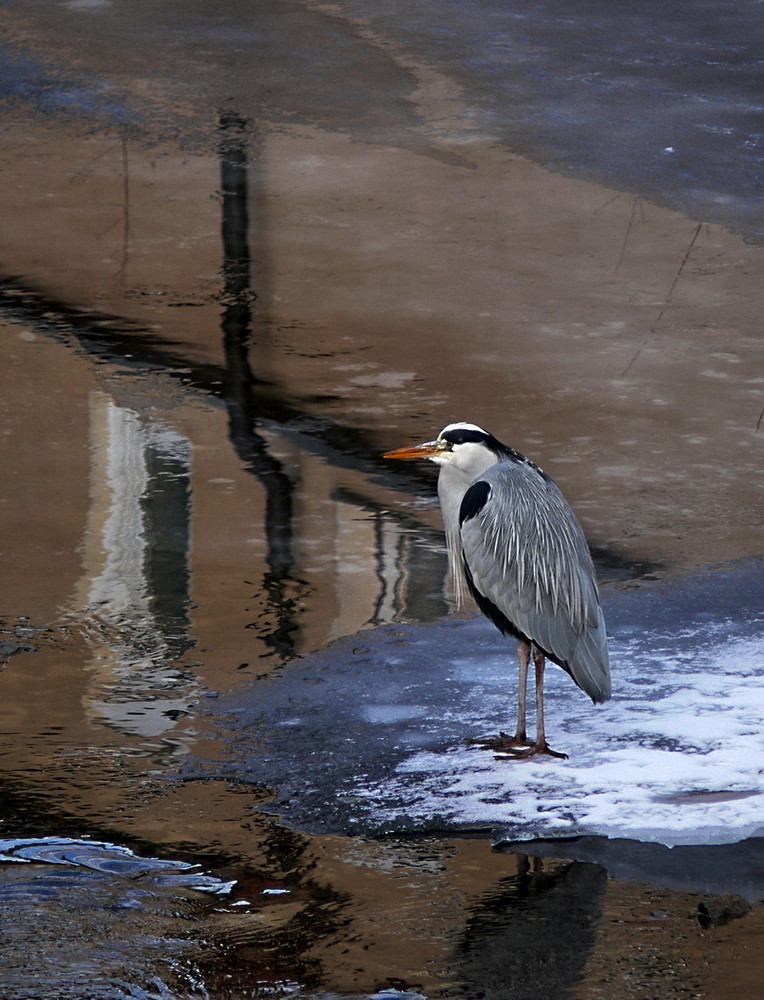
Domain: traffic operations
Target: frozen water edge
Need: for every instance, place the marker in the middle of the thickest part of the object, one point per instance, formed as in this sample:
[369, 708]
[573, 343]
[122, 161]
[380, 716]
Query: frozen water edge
[367, 736]
[675, 757]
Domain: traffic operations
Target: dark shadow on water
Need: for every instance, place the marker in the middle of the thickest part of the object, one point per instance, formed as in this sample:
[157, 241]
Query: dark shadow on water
[145, 926]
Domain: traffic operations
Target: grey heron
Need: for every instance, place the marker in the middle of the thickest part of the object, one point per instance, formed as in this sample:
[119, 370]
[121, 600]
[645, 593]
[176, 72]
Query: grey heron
[515, 544]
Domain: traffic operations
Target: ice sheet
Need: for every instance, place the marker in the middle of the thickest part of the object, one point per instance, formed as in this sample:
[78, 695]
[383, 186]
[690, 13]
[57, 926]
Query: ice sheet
[369, 734]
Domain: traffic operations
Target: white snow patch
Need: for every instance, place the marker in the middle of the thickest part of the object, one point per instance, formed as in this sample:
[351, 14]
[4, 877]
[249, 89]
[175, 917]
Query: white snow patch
[684, 766]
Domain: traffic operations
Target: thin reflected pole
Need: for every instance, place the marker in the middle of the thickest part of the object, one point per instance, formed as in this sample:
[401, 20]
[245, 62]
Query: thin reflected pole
[239, 382]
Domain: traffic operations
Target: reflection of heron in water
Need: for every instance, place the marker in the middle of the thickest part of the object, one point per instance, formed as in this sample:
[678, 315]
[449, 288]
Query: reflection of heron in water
[281, 589]
[530, 938]
[516, 544]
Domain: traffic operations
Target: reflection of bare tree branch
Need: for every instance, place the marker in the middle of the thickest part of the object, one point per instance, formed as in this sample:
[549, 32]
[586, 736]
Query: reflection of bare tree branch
[239, 381]
[667, 300]
[252, 448]
[637, 205]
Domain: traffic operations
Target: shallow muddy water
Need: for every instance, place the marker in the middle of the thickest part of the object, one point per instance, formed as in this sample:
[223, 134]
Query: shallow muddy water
[245, 251]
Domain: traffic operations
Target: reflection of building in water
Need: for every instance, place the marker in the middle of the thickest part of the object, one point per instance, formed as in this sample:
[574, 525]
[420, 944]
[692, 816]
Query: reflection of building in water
[352, 563]
[360, 538]
[389, 566]
[135, 593]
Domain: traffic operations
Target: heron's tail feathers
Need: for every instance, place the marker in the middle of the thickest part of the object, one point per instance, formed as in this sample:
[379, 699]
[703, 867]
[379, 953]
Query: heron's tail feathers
[590, 664]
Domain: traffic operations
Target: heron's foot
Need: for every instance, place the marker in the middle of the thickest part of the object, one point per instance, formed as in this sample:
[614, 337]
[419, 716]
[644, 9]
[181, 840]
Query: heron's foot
[534, 750]
[503, 743]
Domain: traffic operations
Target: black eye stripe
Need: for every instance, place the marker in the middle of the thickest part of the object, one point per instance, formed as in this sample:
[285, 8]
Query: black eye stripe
[464, 435]
[461, 435]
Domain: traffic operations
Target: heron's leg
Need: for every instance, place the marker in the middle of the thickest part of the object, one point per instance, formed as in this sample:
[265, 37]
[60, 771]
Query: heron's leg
[504, 742]
[524, 658]
[515, 749]
[539, 661]
[541, 745]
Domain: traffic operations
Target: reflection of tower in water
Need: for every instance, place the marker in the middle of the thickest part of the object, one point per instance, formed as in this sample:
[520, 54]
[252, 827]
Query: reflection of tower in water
[280, 590]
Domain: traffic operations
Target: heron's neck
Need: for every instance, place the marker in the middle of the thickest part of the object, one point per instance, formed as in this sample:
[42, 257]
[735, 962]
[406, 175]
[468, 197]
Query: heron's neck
[453, 483]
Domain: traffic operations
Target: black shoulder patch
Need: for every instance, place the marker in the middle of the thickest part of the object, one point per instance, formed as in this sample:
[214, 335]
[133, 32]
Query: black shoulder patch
[473, 501]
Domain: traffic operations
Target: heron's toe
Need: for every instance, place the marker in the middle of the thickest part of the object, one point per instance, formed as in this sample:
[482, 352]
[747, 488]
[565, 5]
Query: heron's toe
[501, 743]
[525, 752]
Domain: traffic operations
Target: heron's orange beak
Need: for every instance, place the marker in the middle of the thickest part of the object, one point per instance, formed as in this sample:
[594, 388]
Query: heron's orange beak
[426, 450]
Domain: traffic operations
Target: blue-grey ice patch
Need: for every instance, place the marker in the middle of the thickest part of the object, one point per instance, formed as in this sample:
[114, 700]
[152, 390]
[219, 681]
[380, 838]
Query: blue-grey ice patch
[83, 919]
[111, 859]
[369, 735]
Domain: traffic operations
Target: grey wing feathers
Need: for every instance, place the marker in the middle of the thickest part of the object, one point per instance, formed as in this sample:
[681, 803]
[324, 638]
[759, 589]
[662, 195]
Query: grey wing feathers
[526, 553]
